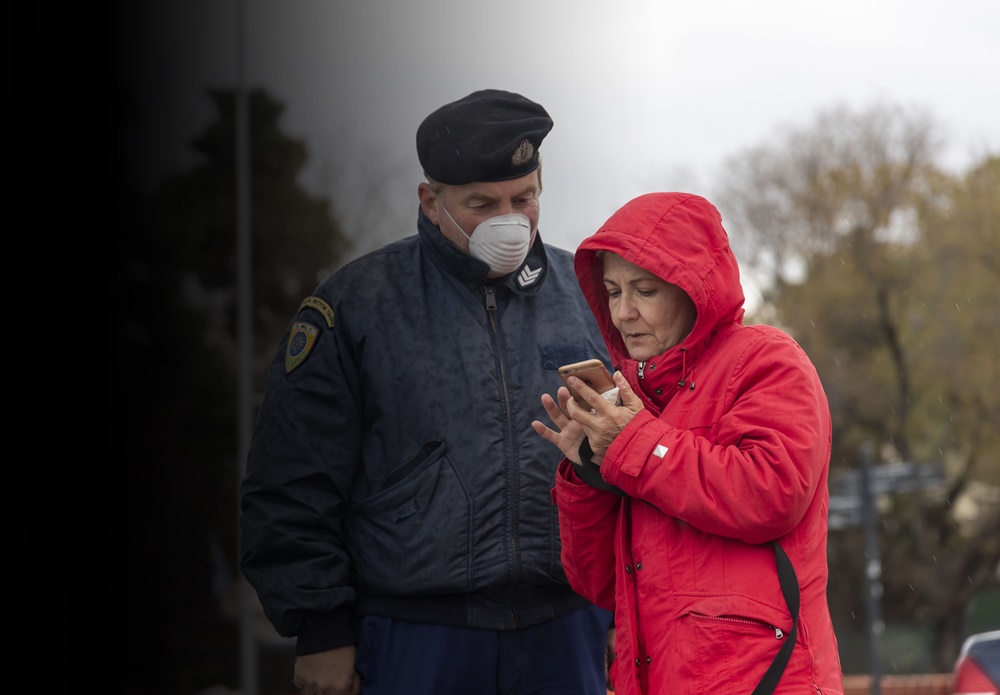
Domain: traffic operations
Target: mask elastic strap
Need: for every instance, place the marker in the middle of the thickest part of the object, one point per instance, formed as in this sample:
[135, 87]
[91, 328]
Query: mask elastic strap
[468, 236]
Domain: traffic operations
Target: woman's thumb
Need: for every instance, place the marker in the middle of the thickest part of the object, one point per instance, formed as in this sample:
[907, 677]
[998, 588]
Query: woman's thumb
[624, 390]
[626, 396]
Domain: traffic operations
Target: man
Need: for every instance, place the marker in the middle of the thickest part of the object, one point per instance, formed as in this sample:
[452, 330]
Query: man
[397, 513]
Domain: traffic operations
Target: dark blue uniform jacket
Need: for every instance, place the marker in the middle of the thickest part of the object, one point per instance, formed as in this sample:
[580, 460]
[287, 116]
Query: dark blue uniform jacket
[393, 469]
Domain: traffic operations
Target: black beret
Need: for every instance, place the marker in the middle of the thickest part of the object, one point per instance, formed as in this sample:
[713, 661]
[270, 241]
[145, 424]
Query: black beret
[490, 135]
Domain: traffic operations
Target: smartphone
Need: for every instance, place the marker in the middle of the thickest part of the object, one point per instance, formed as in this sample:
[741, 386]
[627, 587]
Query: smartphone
[592, 372]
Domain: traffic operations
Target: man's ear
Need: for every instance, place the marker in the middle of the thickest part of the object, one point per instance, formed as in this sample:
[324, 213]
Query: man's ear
[428, 198]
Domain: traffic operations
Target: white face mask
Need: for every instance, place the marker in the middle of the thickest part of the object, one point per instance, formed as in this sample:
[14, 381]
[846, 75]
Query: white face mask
[501, 242]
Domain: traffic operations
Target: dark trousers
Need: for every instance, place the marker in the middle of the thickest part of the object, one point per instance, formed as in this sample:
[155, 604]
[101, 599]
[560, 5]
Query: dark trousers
[565, 655]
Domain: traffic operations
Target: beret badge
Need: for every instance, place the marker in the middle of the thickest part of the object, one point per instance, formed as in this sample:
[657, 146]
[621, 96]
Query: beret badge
[522, 154]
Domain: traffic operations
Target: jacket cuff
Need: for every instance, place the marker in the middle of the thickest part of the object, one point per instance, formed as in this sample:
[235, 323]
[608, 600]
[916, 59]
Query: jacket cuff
[320, 632]
[589, 472]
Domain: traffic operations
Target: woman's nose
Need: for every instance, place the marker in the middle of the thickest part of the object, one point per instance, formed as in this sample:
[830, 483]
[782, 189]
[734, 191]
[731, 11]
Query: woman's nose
[626, 309]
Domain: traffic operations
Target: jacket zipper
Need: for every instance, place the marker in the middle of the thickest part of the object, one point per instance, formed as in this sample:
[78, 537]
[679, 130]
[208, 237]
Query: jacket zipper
[778, 632]
[491, 308]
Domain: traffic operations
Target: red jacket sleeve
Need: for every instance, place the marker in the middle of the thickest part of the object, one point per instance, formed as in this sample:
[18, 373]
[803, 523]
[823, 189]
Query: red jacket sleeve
[745, 465]
[587, 522]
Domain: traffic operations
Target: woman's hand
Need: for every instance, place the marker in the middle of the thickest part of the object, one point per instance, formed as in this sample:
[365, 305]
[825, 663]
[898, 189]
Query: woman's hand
[602, 423]
[568, 434]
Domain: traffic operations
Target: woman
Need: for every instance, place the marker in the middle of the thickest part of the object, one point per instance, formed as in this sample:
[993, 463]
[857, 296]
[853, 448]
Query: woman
[713, 469]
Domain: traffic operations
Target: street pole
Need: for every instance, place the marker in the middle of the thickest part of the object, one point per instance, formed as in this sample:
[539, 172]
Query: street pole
[244, 320]
[873, 568]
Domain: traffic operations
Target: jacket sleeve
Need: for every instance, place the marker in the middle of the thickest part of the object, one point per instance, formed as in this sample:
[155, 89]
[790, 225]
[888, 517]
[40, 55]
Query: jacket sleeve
[587, 522]
[301, 463]
[749, 473]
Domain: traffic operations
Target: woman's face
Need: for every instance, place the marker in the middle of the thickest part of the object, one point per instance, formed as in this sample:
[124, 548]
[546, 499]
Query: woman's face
[651, 314]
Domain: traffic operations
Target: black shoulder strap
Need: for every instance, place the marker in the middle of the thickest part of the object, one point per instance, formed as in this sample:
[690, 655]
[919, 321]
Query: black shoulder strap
[790, 588]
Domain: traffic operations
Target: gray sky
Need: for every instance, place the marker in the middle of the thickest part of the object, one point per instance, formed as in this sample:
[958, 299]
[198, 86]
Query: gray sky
[645, 95]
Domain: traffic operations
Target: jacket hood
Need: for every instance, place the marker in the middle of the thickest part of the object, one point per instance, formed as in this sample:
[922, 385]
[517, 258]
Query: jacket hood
[678, 237]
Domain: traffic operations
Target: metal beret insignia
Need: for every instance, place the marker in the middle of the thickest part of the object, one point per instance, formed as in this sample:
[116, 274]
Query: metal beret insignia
[523, 153]
[300, 343]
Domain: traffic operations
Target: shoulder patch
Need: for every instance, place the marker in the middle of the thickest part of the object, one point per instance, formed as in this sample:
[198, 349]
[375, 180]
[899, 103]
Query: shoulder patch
[320, 306]
[300, 343]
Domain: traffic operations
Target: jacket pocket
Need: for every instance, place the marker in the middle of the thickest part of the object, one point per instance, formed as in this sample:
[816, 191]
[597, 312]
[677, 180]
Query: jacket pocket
[555, 355]
[720, 650]
[415, 536]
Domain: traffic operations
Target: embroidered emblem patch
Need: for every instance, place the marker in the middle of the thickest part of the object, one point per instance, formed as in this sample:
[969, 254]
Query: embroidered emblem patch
[527, 276]
[523, 153]
[320, 306]
[300, 344]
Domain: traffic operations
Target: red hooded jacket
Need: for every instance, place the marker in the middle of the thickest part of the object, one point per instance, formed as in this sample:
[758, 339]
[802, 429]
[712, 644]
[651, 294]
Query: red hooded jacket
[731, 453]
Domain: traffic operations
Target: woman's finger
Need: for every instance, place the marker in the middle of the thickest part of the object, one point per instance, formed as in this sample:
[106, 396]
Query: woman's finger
[554, 412]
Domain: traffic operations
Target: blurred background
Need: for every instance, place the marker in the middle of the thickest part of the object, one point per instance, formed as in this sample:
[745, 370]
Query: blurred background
[853, 150]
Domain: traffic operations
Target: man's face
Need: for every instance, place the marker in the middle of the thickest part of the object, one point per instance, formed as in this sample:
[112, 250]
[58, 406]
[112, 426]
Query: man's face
[472, 203]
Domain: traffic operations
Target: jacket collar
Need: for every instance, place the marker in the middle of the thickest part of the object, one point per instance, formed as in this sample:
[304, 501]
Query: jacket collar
[665, 375]
[526, 280]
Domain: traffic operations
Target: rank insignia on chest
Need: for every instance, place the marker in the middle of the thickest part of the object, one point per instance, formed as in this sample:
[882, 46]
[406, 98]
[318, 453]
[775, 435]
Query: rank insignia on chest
[300, 344]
